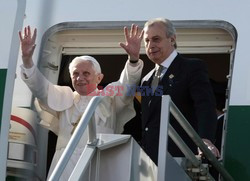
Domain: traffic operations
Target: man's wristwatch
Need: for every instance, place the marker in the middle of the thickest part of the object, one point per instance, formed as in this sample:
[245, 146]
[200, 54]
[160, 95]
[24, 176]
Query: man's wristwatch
[133, 61]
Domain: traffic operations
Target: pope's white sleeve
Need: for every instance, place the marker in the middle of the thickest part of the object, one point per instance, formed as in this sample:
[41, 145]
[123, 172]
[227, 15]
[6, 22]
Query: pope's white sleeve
[36, 82]
[129, 80]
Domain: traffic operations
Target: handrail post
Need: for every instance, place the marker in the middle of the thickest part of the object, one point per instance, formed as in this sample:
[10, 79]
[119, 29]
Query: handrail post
[92, 131]
[163, 139]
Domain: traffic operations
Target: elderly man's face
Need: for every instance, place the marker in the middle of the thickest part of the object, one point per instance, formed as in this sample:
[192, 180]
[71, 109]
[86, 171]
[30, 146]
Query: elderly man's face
[84, 78]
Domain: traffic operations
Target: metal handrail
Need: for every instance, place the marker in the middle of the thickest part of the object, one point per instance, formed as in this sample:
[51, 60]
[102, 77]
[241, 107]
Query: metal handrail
[183, 146]
[186, 150]
[76, 136]
[171, 107]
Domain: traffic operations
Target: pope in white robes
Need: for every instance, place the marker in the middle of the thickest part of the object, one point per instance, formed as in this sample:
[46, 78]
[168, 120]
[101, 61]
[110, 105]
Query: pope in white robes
[67, 106]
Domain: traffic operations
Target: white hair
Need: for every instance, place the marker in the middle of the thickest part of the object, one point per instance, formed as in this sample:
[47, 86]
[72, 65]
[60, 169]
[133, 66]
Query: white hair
[77, 60]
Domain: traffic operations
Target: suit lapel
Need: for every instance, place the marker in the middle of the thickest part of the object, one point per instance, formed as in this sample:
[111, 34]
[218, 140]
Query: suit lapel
[146, 99]
[169, 77]
[148, 78]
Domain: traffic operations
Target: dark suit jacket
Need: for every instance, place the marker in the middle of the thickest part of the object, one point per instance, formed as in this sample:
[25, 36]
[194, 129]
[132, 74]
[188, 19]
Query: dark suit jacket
[187, 83]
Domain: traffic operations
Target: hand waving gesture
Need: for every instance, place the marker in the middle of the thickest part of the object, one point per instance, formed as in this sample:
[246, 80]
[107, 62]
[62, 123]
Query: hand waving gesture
[133, 42]
[27, 46]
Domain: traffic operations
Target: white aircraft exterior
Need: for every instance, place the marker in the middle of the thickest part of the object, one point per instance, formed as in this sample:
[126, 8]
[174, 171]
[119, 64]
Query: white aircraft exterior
[206, 28]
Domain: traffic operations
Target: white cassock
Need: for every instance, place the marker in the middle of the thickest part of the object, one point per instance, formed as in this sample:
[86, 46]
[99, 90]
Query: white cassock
[67, 107]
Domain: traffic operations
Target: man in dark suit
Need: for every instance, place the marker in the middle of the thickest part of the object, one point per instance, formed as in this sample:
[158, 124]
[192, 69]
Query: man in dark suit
[185, 80]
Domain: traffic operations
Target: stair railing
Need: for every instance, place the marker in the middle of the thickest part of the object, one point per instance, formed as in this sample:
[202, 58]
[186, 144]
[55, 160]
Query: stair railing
[166, 129]
[76, 136]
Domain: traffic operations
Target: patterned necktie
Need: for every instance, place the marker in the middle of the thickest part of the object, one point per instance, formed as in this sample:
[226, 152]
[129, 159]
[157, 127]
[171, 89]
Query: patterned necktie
[156, 78]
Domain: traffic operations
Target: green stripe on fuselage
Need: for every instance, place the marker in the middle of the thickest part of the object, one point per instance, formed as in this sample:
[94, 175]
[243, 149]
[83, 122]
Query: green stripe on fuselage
[3, 73]
[237, 146]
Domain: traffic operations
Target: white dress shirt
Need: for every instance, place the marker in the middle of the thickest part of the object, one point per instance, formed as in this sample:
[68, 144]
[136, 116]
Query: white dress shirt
[166, 63]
